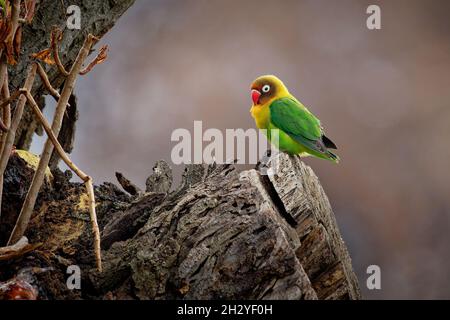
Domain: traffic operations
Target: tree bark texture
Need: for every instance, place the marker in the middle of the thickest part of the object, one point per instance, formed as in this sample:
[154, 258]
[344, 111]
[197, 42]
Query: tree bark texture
[221, 234]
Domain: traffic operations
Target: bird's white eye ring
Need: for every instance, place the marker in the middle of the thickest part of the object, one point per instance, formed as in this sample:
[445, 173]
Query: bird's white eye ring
[265, 88]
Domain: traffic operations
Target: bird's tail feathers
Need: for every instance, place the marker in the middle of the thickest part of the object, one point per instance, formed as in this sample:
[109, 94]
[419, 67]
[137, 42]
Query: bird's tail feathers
[332, 157]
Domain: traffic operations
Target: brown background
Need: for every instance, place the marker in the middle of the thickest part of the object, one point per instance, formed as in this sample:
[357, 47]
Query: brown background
[383, 96]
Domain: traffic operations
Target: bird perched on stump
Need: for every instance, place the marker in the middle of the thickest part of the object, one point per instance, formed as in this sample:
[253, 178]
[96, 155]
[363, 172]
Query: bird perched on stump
[299, 131]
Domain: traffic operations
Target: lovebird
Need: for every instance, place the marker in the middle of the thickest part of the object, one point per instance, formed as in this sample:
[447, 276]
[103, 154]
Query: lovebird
[299, 131]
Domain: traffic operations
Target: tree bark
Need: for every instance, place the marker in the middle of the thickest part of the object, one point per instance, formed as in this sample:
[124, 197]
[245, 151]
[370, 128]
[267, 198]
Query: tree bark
[222, 234]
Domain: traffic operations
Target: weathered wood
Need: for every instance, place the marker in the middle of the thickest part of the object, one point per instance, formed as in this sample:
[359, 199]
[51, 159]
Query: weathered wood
[127, 185]
[222, 234]
[219, 239]
[18, 249]
[18, 176]
[161, 178]
[225, 237]
[125, 225]
[323, 253]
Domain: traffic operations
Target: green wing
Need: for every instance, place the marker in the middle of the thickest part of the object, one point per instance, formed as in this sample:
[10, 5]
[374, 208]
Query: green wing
[294, 119]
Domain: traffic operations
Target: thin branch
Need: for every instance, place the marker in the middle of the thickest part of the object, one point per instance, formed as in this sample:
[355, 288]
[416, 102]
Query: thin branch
[90, 190]
[100, 58]
[9, 41]
[7, 108]
[4, 123]
[87, 179]
[3, 126]
[7, 120]
[7, 101]
[43, 75]
[11, 134]
[55, 38]
[38, 178]
[46, 82]
[52, 136]
[3, 69]
[15, 16]
[18, 249]
[30, 8]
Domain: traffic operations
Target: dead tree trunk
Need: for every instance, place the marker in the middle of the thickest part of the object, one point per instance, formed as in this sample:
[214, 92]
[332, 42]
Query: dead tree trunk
[222, 234]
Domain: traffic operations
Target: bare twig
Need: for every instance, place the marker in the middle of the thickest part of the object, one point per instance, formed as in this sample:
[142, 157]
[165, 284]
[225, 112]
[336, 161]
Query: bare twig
[9, 41]
[7, 121]
[38, 178]
[18, 249]
[87, 179]
[43, 75]
[4, 123]
[11, 134]
[30, 7]
[90, 190]
[15, 15]
[7, 108]
[3, 70]
[5, 105]
[100, 58]
[55, 38]
[3, 127]
[46, 82]
[5, 102]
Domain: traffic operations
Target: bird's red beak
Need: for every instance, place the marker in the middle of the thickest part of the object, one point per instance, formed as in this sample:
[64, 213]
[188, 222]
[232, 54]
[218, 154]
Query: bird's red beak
[255, 96]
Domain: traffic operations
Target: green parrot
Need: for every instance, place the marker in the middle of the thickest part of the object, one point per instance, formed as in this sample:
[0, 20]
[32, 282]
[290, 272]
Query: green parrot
[299, 131]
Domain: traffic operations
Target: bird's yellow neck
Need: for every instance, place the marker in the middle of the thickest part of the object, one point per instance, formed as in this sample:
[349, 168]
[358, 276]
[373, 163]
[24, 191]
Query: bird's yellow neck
[261, 115]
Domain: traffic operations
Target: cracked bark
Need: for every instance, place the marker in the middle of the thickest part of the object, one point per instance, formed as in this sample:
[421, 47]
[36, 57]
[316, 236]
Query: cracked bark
[225, 234]
[219, 235]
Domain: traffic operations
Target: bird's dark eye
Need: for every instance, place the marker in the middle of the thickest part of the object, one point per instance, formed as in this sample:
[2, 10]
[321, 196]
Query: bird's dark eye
[265, 88]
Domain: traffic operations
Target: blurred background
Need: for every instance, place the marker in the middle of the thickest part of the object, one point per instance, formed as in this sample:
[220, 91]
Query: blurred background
[382, 95]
